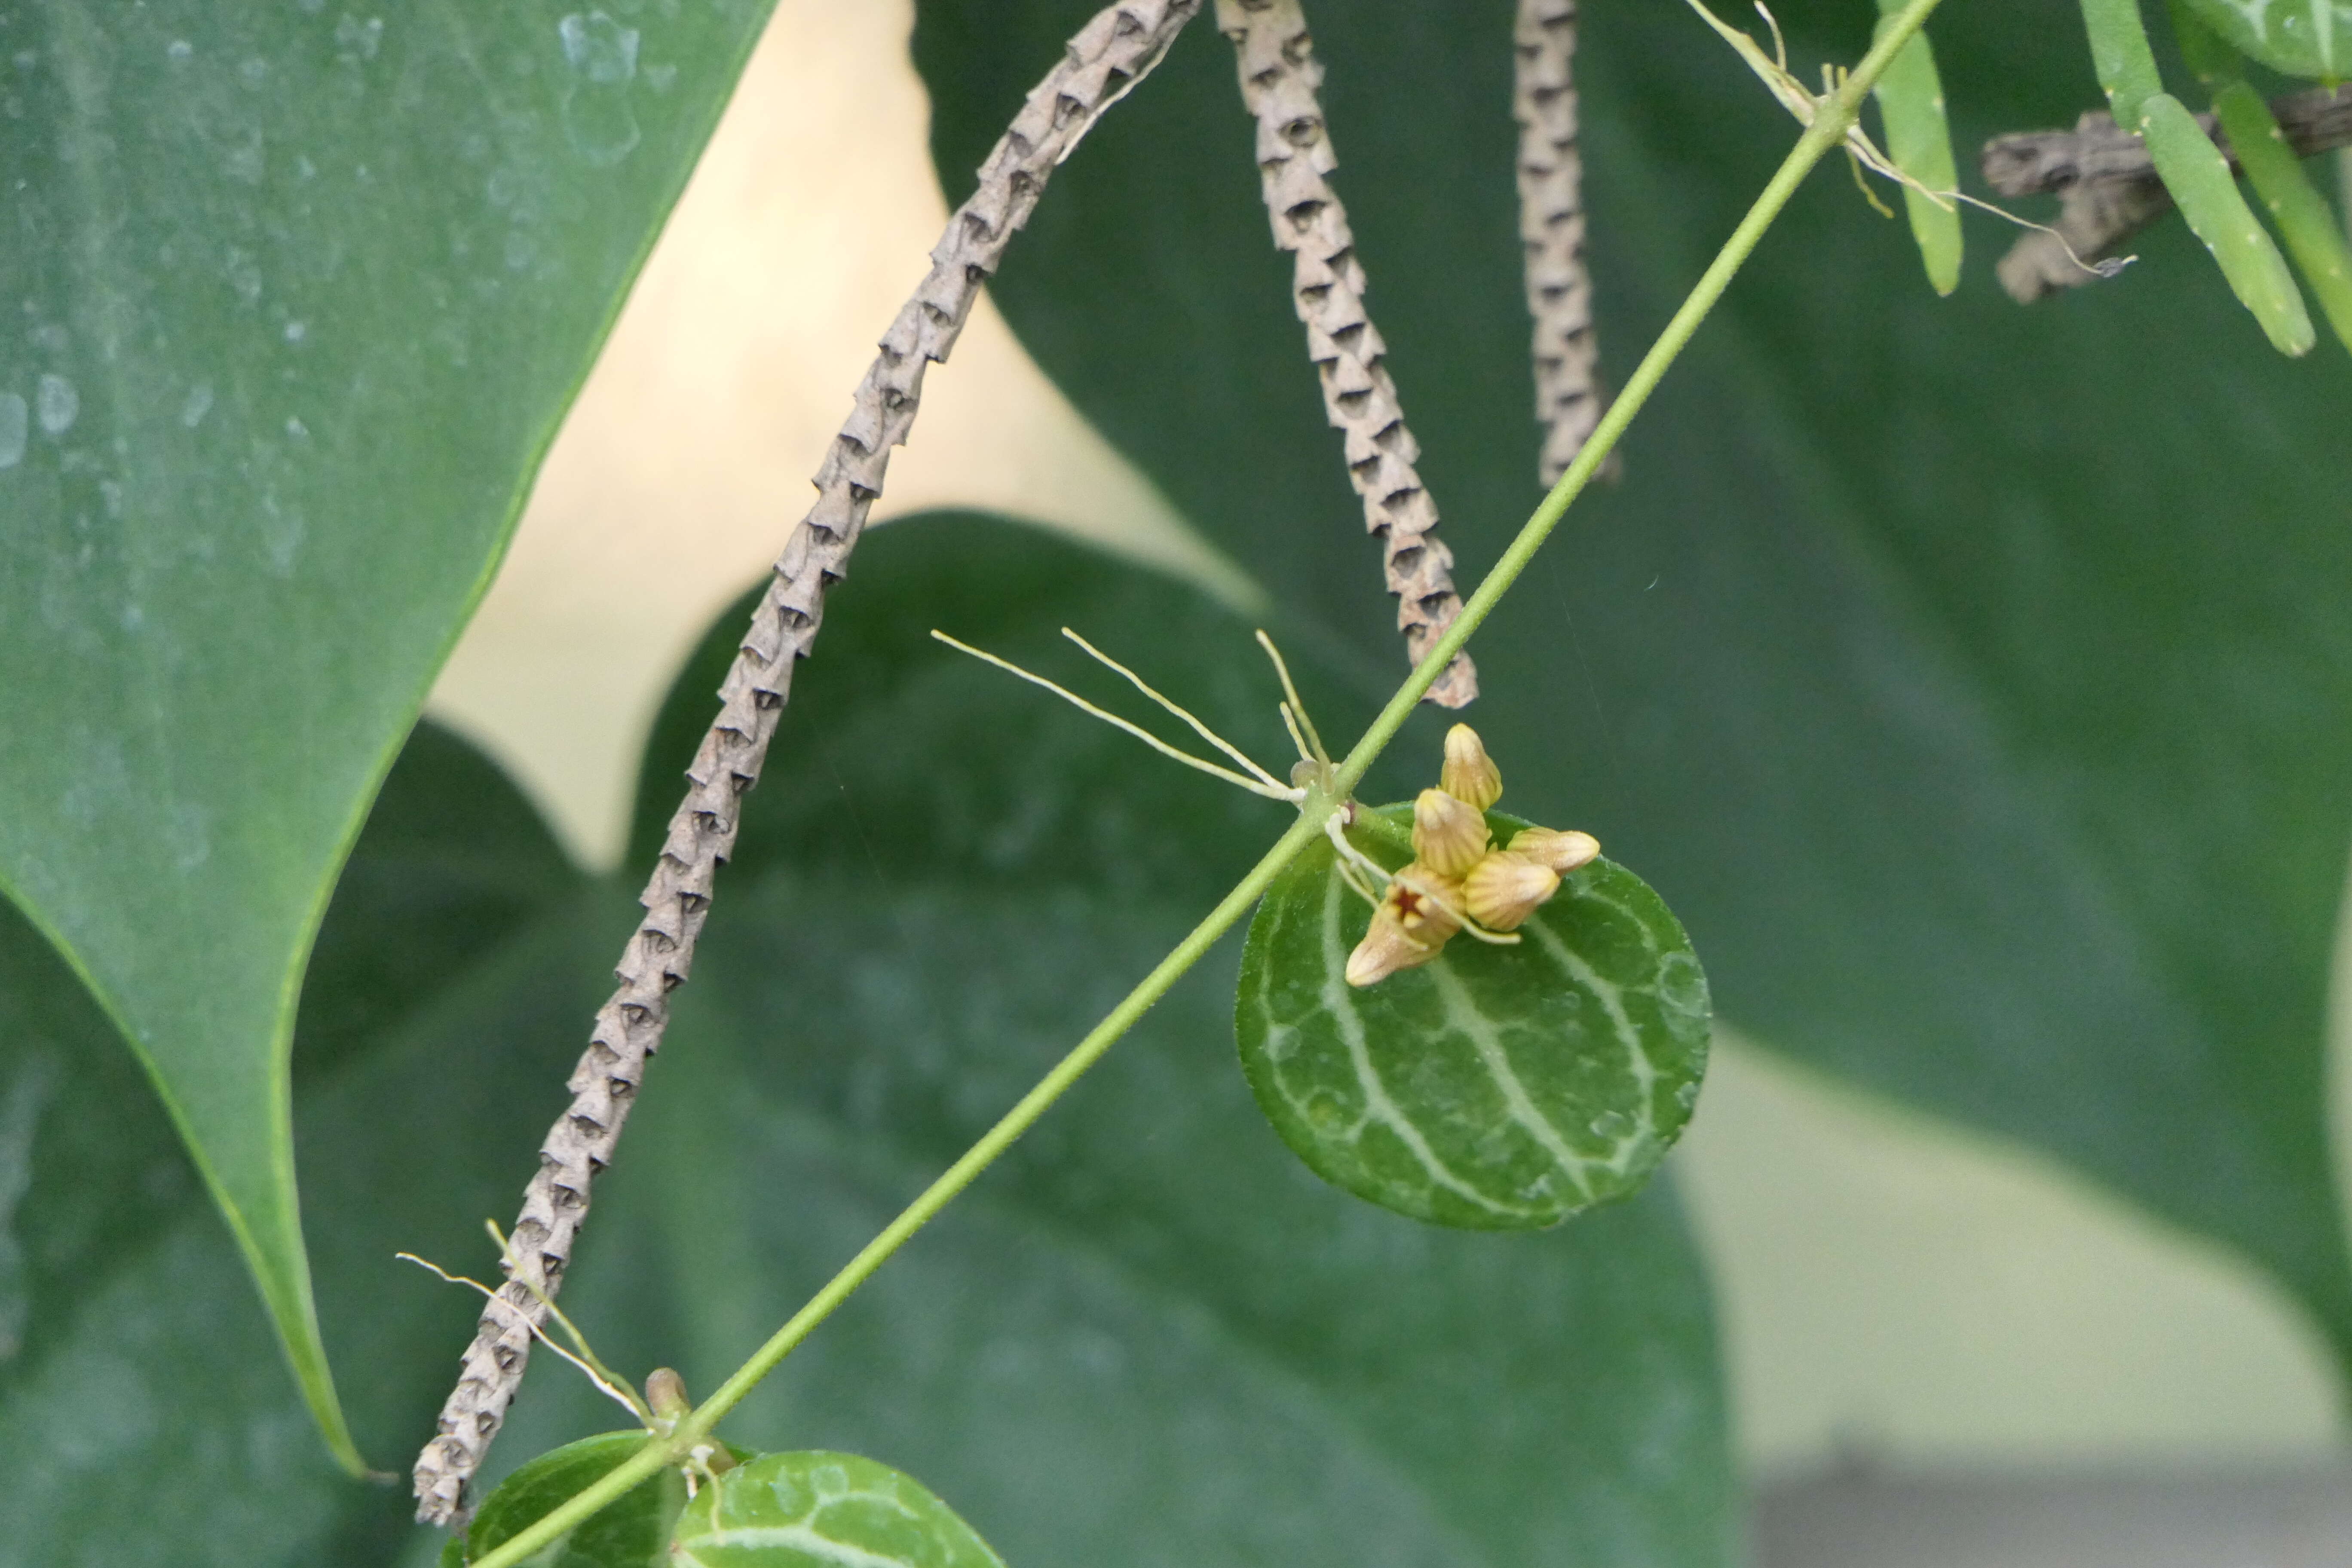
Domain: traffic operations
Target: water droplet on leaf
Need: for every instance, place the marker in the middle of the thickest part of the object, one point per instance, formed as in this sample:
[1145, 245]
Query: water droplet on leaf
[57, 405]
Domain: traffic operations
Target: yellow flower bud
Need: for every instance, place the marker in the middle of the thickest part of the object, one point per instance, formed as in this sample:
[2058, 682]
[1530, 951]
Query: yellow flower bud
[1409, 926]
[1413, 895]
[1448, 835]
[1562, 852]
[1504, 889]
[1385, 949]
[1469, 774]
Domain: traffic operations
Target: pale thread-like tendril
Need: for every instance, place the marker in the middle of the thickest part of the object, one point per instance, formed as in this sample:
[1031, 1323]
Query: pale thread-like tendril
[2107, 186]
[1279, 75]
[1551, 231]
[1106, 58]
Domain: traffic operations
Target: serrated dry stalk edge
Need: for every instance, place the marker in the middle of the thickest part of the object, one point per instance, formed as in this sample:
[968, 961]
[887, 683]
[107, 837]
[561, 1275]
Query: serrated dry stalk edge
[1551, 232]
[1106, 58]
[1838, 112]
[1274, 58]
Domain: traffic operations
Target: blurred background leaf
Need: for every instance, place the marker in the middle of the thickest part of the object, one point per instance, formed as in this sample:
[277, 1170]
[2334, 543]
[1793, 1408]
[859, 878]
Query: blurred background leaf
[297, 301]
[444, 998]
[1968, 678]
[2308, 40]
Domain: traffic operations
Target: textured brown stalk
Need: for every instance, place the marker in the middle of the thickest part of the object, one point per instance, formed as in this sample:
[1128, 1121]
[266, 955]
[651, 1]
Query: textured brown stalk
[2106, 186]
[1551, 228]
[1106, 58]
[1279, 75]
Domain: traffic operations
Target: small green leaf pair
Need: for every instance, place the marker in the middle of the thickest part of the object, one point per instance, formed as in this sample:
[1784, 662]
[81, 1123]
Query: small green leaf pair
[2197, 174]
[811, 1510]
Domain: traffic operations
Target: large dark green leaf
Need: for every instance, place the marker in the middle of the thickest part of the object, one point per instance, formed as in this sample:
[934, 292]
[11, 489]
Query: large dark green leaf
[295, 297]
[436, 1025]
[1970, 679]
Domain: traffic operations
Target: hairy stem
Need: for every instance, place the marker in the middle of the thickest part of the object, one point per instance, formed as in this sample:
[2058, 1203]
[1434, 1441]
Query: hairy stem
[1107, 57]
[1837, 114]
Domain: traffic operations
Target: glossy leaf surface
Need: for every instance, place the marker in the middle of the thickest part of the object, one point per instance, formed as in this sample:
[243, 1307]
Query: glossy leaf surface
[1964, 678]
[1492, 1087]
[296, 296]
[824, 1510]
[1148, 1337]
[2301, 37]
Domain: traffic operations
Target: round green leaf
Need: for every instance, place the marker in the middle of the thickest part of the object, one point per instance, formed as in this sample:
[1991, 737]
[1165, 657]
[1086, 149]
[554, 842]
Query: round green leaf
[819, 1509]
[634, 1532]
[630, 1533]
[1494, 1087]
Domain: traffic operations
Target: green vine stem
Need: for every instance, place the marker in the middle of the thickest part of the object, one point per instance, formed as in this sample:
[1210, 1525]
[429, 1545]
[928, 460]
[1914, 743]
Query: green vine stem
[1834, 115]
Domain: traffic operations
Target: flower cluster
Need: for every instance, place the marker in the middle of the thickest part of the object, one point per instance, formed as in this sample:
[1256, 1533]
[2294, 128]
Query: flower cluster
[1457, 876]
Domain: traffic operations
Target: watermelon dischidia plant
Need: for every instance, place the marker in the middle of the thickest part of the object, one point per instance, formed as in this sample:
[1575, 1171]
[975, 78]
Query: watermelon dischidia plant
[1293, 1148]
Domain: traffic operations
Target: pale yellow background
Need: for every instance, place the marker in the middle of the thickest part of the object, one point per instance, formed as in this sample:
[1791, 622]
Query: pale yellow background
[1888, 1287]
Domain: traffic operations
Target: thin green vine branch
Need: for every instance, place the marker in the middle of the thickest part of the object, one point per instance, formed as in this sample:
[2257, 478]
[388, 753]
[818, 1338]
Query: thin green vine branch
[1835, 113]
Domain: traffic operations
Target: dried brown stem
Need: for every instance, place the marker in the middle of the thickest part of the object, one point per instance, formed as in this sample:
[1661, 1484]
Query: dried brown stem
[1279, 75]
[1551, 228]
[2107, 188]
[1106, 58]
